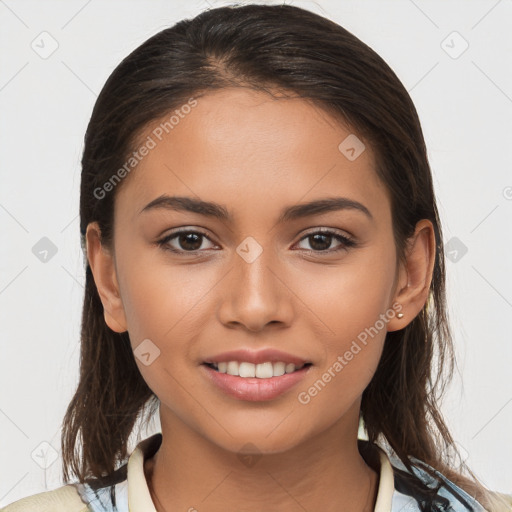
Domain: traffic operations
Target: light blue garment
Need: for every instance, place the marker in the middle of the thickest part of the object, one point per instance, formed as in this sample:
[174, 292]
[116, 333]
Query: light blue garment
[99, 501]
[452, 497]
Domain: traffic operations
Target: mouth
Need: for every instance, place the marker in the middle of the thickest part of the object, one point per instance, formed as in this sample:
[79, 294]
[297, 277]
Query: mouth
[254, 382]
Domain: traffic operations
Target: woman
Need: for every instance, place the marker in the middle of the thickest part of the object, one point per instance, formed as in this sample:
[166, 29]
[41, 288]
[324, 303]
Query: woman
[264, 264]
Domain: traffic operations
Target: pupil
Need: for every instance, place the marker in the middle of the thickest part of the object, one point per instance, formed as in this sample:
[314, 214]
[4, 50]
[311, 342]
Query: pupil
[317, 237]
[189, 237]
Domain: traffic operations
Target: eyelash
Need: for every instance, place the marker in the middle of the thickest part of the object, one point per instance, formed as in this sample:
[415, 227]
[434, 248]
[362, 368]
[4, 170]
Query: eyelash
[346, 242]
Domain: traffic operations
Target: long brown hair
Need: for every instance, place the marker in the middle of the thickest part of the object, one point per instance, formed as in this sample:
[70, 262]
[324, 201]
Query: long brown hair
[266, 47]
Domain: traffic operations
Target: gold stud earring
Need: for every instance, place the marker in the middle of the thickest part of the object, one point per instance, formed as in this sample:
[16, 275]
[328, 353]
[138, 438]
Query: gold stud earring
[400, 315]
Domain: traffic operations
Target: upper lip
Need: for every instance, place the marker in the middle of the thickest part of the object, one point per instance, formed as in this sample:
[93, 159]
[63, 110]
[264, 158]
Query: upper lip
[256, 357]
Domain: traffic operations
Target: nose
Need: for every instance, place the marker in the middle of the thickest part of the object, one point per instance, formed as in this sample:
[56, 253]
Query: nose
[254, 293]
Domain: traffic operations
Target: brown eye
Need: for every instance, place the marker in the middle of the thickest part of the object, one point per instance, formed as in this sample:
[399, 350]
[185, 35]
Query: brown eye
[320, 241]
[186, 241]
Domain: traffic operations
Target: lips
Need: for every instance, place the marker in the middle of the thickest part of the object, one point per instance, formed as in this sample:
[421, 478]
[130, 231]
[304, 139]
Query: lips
[256, 357]
[254, 389]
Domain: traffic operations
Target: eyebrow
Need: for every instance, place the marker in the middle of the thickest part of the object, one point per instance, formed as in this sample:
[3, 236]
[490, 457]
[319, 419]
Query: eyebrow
[218, 211]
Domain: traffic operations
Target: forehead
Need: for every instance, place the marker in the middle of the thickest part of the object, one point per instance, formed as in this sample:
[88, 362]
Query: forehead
[238, 144]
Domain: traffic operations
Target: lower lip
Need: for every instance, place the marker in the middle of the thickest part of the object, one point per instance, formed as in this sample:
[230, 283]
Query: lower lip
[252, 388]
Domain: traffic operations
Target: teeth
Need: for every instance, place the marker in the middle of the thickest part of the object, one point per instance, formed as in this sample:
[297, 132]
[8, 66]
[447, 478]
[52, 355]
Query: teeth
[261, 371]
[290, 367]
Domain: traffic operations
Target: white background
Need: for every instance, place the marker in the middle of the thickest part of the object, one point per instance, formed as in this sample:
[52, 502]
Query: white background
[464, 103]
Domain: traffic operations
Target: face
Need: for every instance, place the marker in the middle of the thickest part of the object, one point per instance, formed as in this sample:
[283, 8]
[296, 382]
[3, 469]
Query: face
[255, 279]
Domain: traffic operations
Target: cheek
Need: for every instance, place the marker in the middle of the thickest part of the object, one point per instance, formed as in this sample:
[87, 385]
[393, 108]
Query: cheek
[159, 299]
[354, 304]
[352, 296]
[351, 353]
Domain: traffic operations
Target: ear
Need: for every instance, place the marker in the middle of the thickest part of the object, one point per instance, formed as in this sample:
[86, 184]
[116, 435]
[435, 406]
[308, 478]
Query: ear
[415, 276]
[102, 264]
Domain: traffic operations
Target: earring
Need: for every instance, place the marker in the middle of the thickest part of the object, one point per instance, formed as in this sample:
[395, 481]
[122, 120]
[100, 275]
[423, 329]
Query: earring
[399, 315]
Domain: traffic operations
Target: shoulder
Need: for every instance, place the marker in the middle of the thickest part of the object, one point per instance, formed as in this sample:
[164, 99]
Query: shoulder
[62, 499]
[103, 494]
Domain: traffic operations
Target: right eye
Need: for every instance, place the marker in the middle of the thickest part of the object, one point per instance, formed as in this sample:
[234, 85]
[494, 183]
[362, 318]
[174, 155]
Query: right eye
[189, 240]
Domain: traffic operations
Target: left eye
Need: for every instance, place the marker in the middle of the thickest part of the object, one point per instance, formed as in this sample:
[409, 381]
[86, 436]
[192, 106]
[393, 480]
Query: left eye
[321, 240]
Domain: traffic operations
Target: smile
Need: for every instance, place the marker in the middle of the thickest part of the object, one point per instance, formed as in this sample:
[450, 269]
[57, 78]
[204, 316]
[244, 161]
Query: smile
[254, 388]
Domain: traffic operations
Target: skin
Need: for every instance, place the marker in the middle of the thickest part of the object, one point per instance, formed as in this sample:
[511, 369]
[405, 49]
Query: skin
[295, 297]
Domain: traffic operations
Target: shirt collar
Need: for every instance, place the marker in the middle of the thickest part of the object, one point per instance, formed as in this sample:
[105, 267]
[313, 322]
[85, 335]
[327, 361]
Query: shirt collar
[139, 498]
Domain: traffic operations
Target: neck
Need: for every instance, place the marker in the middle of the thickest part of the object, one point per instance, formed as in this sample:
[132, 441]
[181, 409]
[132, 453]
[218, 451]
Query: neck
[325, 473]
